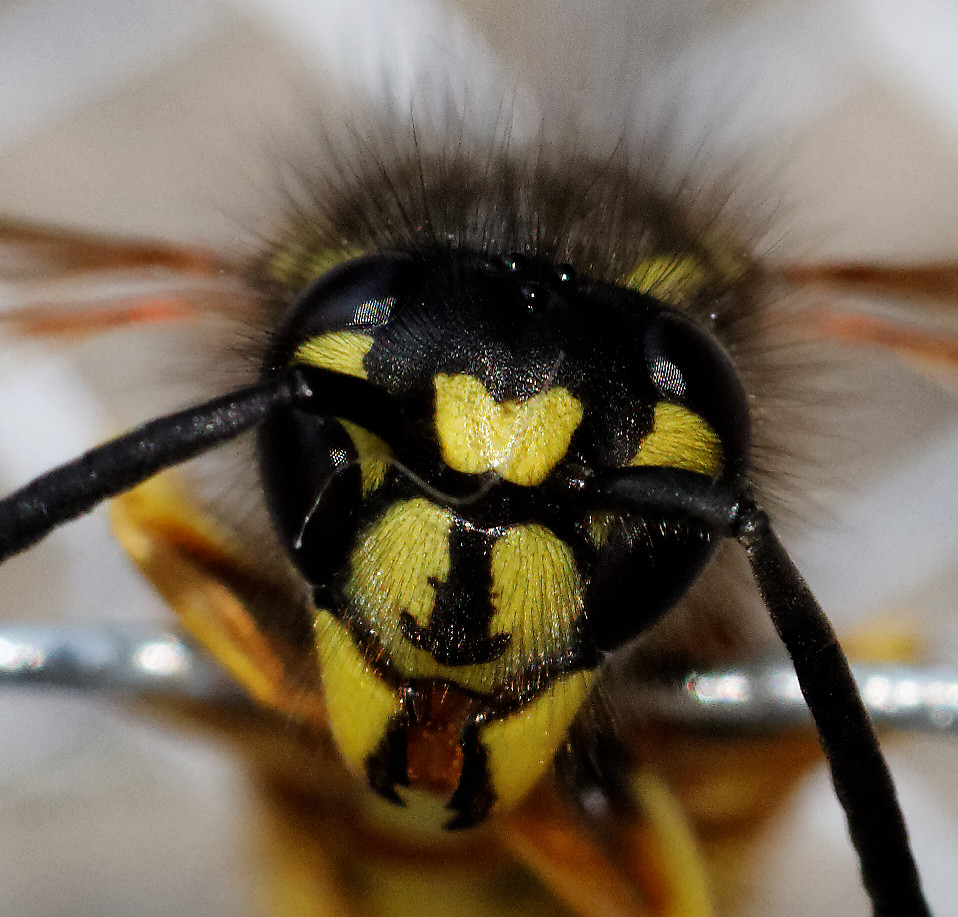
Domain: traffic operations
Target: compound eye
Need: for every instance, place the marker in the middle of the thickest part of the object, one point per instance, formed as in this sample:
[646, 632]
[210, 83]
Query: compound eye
[690, 371]
[358, 296]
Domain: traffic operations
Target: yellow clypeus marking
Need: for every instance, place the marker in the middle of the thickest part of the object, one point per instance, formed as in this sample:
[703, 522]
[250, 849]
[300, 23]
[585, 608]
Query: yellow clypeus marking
[396, 558]
[358, 704]
[521, 441]
[673, 279]
[391, 572]
[340, 351]
[536, 592]
[521, 746]
[680, 439]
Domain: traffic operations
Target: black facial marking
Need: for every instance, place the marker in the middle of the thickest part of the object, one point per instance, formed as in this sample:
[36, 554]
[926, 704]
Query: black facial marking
[458, 630]
[387, 767]
[474, 796]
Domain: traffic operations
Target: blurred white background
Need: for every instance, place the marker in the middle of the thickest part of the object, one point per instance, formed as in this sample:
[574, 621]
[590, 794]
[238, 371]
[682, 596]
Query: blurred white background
[137, 117]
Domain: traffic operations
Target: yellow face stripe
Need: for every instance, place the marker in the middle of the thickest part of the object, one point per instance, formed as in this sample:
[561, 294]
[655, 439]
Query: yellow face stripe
[521, 746]
[339, 351]
[391, 573]
[680, 439]
[373, 454]
[521, 441]
[344, 352]
[358, 704]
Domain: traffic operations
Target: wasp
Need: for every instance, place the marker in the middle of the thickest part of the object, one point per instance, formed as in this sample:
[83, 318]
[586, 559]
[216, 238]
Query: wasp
[452, 451]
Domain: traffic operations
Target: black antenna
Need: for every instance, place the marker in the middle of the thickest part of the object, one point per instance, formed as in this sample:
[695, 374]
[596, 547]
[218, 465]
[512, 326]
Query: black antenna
[859, 772]
[32, 512]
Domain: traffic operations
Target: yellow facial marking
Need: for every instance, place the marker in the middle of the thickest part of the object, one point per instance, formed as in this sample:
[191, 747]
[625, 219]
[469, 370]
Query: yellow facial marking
[521, 746]
[358, 704]
[520, 441]
[340, 351]
[673, 279]
[680, 439]
[536, 593]
[391, 572]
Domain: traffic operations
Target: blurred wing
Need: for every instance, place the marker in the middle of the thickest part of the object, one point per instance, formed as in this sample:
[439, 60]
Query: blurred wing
[910, 311]
[199, 570]
[63, 284]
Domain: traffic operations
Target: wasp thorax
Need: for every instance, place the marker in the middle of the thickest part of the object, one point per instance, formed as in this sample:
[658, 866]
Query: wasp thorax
[464, 594]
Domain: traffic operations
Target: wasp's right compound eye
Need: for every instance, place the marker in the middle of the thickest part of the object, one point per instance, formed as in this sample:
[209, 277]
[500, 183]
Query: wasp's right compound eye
[356, 297]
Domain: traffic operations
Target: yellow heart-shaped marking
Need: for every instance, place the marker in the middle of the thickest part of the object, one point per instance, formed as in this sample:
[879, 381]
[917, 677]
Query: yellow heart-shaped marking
[522, 441]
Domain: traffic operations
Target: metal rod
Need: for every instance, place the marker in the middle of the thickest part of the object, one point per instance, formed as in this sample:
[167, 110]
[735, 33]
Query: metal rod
[131, 661]
[766, 697]
[136, 661]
